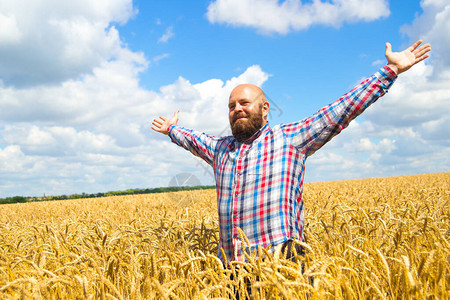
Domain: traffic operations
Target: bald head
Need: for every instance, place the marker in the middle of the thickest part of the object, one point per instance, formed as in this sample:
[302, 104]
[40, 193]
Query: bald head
[248, 91]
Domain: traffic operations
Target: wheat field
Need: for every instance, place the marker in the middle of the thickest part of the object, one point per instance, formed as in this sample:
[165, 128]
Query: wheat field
[382, 238]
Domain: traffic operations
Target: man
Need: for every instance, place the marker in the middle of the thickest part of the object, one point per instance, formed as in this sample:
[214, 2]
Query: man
[259, 170]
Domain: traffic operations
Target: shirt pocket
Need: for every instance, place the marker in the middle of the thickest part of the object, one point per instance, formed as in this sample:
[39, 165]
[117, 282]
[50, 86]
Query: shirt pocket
[250, 181]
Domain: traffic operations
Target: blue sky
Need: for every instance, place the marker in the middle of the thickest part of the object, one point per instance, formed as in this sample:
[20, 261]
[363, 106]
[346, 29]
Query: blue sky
[80, 83]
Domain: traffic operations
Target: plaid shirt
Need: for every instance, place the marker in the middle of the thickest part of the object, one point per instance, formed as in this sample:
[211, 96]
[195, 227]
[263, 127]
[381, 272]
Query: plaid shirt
[260, 182]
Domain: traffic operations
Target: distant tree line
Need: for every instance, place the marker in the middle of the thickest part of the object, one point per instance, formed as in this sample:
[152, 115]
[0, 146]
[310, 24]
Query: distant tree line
[21, 199]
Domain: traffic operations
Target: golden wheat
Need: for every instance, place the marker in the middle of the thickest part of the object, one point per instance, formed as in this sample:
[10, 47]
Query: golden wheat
[384, 238]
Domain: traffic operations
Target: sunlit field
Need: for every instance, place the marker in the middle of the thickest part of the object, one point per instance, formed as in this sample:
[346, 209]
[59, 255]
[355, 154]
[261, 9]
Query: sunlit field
[384, 238]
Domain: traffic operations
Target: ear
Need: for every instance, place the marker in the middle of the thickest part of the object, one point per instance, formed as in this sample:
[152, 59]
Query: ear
[265, 109]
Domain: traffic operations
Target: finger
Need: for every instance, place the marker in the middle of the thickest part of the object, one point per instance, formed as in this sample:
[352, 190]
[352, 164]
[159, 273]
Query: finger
[423, 49]
[156, 124]
[419, 59]
[157, 121]
[163, 118]
[388, 48]
[414, 46]
[421, 53]
[156, 129]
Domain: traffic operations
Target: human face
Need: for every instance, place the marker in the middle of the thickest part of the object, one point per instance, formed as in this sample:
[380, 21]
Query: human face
[247, 111]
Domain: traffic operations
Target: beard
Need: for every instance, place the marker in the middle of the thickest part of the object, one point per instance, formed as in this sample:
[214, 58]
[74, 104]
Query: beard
[245, 129]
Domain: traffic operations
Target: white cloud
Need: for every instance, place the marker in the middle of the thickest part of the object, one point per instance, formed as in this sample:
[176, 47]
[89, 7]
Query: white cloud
[158, 58]
[49, 42]
[405, 132]
[90, 130]
[419, 101]
[10, 33]
[433, 26]
[408, 130]
[379, 62]
[93, 134]
[167, 35]
[273, 16]
[208, 98]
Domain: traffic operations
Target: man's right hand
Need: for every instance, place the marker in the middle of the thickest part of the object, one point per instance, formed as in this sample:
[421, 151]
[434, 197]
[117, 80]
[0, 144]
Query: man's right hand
[162, 124]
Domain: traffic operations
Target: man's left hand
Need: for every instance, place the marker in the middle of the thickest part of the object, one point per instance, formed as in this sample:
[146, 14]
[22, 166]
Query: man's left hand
[400, 62]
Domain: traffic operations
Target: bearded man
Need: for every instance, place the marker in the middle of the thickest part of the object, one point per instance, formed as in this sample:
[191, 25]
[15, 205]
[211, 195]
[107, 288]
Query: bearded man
[259, 170]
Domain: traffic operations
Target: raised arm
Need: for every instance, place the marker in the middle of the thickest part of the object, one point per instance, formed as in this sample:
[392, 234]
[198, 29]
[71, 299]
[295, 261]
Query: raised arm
[198, 143]
[400, 62]
[312, 133]
[162, 124]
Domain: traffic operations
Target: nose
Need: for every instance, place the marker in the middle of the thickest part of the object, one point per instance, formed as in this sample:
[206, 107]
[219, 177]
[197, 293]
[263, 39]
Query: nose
[238, 107]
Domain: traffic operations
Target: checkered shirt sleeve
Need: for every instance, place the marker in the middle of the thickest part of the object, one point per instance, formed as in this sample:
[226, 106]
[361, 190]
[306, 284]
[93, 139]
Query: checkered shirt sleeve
[312, 133]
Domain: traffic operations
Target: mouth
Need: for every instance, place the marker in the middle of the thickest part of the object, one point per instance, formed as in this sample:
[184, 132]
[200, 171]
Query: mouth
[239, 118]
